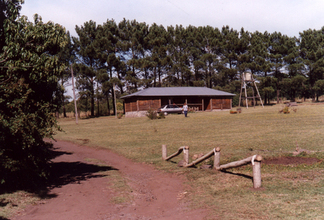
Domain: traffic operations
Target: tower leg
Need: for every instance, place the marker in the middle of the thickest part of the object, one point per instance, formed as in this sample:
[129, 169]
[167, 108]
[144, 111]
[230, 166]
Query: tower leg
[258, 93]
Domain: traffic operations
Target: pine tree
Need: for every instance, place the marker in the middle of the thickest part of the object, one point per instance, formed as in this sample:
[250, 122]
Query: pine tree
[89, 61]
[312, 53]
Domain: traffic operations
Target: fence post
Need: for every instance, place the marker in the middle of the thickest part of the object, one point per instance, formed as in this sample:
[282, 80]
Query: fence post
[257, 172]
[164, 152]
[216, 157]
[186, 155]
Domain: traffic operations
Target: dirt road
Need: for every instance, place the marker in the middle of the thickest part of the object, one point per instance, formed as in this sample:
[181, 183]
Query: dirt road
[81, 190]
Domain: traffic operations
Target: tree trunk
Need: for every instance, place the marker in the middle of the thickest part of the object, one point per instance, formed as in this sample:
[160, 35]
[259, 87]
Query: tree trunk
[154, 74]
[92, 99]
[108, 107]
[98, 114]
[98, 108]
[64, 110]
[112, 92]
[113, 99]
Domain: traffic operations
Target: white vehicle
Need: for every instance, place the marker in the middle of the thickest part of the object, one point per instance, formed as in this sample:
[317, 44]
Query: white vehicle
[171, 109]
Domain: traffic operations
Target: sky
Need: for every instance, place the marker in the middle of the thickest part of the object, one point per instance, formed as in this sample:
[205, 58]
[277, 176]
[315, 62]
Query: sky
[290, 17]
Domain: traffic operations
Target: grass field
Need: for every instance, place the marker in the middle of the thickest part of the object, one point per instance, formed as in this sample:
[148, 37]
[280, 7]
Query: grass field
[288, 191]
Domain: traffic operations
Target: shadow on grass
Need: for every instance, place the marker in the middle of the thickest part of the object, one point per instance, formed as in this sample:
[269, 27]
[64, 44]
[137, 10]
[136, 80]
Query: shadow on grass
[2, 218]
[61, 173]
[238, 174]
[3, 203]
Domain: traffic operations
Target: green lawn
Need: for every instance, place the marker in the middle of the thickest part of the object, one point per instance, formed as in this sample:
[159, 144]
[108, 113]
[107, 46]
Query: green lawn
[288, 191]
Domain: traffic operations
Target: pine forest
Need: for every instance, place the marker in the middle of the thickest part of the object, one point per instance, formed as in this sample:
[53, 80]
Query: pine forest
[133, 55]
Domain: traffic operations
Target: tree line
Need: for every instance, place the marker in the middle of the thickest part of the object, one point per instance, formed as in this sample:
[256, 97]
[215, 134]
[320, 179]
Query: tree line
[134, 55]
[36, 59]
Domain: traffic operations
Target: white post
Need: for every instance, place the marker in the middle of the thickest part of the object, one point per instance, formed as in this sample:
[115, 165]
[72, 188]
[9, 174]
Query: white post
[257, 172]
[186, 155]
[164, 152]
[216, 158]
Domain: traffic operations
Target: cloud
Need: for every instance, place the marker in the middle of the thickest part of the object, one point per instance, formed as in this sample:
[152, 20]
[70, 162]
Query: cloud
[285, 16]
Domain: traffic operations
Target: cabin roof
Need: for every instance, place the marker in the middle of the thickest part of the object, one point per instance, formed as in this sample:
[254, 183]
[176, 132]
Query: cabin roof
[179, 91]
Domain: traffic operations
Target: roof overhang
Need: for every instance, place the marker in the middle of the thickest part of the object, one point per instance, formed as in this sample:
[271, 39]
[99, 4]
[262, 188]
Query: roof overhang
[178, 91]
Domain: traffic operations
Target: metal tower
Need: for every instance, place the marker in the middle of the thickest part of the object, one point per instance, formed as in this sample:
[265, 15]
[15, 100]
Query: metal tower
[248, 80]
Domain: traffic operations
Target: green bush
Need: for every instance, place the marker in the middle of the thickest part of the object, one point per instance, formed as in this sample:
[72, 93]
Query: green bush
[236, 100]
[28, 96]
[152, 114]
[286, 110]
[161, 115]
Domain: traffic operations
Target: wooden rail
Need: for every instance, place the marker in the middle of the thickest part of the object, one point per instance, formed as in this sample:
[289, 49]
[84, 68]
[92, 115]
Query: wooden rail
[164, 152]
[201, 159]
[236, 163]
[254, 160]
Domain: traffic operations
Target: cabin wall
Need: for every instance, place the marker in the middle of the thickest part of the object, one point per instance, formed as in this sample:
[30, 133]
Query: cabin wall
[142, 104]
[146, 104]
[219, 103]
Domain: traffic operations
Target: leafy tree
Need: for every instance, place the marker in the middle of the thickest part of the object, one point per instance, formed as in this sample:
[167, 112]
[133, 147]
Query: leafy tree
[179, 55]
[278, 50]
[292, 59]
[293, 87]
[89, 62]
[157, 40]
[257, 55]
[319, 88]
[196, 48]
[133, 37]
[312, 56]
[66, 57]
[109, 40]
[229, 55]
[29, 74]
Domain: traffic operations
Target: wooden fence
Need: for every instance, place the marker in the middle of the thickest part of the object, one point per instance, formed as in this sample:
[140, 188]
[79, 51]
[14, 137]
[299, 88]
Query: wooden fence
[255, 160]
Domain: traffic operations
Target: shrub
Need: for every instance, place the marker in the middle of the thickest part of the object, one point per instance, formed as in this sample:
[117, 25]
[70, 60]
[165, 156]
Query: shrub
[161, 115]
[119, 115]
[233, 111]
[29, 94]
[151, 114]
[286, 110]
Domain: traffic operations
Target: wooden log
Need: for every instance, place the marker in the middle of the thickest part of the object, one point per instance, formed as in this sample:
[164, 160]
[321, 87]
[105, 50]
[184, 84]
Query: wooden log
[175, 154]
[235, 163]
[206, 156]
[257, 172]
[186, 155]
[164, 152]
[216, 157]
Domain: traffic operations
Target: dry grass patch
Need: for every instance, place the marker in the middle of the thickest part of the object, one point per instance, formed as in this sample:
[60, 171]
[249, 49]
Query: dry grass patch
[14, 203]
[122, 192]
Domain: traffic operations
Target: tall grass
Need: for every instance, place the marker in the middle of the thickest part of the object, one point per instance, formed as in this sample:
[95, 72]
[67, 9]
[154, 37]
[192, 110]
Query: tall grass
[289, 192]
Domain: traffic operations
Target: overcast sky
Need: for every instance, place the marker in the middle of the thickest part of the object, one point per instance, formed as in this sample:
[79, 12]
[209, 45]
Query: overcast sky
[286, 16]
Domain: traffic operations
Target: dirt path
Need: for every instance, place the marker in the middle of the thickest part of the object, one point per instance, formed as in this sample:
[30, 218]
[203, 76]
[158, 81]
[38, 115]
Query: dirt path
[80, 191]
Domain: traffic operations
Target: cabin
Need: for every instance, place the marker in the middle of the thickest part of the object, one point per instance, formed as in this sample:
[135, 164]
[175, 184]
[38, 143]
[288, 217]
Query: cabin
[197, 99]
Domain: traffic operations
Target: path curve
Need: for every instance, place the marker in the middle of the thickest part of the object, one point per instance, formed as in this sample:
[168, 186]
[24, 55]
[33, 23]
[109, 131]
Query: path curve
[83, 193]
